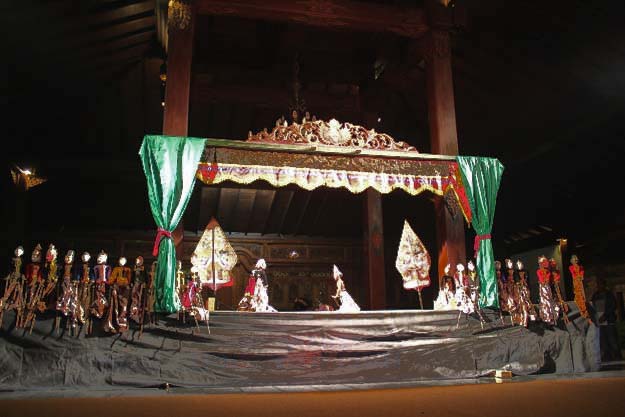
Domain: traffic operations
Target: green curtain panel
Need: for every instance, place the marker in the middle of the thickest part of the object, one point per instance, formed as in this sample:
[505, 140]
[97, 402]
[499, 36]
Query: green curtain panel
[481, 177]
[169, 164]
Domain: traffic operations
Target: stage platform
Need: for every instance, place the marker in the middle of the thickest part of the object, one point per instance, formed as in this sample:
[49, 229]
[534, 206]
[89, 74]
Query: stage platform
[293, 349]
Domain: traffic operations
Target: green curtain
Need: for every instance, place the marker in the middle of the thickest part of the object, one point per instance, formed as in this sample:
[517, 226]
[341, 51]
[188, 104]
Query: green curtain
[169, 164]
[481, 178]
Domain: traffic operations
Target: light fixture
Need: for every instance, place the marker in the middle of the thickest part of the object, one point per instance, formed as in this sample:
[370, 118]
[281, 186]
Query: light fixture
[163, 77]
[25, 178]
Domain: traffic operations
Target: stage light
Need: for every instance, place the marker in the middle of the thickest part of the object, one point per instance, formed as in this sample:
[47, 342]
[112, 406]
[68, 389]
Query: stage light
[379, 119]
[25, 178]
[293, 254]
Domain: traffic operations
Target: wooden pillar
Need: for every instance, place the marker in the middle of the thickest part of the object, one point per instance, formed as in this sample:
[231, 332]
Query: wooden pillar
[443, 135]
[373, 243]
[180, 33]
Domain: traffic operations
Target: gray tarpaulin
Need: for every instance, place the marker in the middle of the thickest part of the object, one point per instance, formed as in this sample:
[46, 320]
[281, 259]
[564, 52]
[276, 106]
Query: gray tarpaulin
[260, 349]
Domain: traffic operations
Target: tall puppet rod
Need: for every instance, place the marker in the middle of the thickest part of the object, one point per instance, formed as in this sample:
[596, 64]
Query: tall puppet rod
[213, 267]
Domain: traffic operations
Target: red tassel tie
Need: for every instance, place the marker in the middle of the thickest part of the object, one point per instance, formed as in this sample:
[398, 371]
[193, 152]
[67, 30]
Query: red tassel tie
[476, 242]
[160, 233]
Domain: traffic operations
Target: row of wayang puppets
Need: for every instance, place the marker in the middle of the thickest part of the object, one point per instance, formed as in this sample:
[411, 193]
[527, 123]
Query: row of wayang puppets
[79, 292]
[461, 291]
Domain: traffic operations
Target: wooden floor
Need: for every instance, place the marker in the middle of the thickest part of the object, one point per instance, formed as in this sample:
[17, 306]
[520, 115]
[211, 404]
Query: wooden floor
[583, 397]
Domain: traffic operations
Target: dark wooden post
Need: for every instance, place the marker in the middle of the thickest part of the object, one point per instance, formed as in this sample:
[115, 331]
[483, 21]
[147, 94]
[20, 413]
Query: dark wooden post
[442, 123]
[181, 29]
[373, 243]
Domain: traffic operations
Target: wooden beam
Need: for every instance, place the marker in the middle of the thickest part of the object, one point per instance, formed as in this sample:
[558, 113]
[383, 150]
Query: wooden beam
[114, 46]
[320, 210]
[302, 214]
[209, 200]
[79, 24]
[330, 14]
[107, 33]
[440, 93]
[373, 244]
[227, 203]
[243, 210]
[262, 210]
[179, 61]
[137, 51]
[279, 210]
[267, 96]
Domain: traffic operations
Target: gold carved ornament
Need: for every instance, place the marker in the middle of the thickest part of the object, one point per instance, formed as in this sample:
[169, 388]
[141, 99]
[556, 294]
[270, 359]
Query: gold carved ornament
[179, 14]
[332, 133]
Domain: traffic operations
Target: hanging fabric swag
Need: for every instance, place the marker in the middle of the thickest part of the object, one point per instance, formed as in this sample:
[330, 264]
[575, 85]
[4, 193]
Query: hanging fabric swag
[170, 164]
[481, 178]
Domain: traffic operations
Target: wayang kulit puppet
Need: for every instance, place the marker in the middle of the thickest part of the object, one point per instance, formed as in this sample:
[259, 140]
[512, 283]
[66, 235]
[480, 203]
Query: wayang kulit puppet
[101, 272]
[12, 298]
[446, 299]
[555, 280]
[525, 307]
[67, 302]
[34, 289]
[119, 285]
[548, 308]
[577, 272]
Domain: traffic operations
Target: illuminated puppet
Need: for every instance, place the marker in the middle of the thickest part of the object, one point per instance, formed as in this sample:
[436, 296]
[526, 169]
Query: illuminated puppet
[413, 261]
[509, 298]
[85, 277]
[463, 291]
[474, 289]
[259, 298]
[548, 309]
[101, 271]
[555, 280]
[35, 284]
[577, 272]
[347, 303]
[524, 304]
[12, 299]
[138, 291]
[67, 302]
[119, 283]
[446, 299]
[214, 257]
[50, 275]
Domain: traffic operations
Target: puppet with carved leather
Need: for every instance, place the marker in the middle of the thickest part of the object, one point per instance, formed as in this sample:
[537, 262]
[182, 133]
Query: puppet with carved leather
[12, 299]
[474, 289]
[555, 280]
[463, 290]
[577, 272]
[525, 308]
[83, 280]
[548, 308]
[101, 272]
[51, 278]
[119, 283]
[511, 295]
[446, 299]
[150, 299]
[33, 289]
[502, 287]
[67, 302]
[138, 293]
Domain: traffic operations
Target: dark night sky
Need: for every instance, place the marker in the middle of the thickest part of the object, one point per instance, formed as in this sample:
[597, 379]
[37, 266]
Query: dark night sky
[540, 85]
